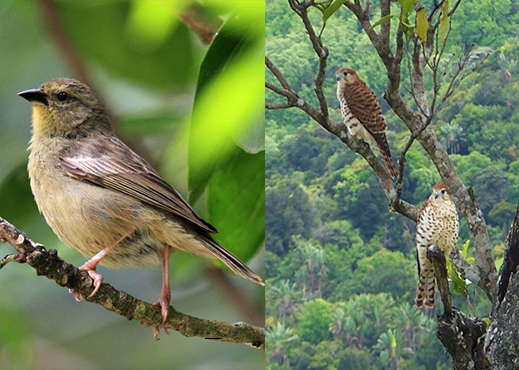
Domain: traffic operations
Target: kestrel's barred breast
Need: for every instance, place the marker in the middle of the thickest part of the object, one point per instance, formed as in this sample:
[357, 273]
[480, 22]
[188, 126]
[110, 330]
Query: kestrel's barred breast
[437, 225]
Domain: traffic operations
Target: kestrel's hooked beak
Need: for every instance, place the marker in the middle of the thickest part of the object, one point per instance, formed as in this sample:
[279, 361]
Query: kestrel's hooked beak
[35, 96]
[338, 77]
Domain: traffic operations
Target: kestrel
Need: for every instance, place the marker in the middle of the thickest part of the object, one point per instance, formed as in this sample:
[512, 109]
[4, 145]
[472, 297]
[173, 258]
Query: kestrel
[362, 114]
[437, 225]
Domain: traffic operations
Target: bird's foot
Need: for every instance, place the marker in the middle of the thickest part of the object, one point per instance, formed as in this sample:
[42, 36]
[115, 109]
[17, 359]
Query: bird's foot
[163, 303]
[90, 268]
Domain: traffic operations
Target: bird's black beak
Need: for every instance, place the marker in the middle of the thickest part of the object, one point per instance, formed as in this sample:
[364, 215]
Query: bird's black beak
[338, 77]
[36, 96]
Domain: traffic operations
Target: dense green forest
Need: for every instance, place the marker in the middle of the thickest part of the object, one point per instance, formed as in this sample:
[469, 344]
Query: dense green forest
[341, 268]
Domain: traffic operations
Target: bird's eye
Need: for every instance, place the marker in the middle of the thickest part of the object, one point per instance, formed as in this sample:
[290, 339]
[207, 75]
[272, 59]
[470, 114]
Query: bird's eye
[443, 191]
[62, 96]
[345, 73]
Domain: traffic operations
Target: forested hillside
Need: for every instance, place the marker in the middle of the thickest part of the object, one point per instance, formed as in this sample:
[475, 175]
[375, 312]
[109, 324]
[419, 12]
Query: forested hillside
[341, 268]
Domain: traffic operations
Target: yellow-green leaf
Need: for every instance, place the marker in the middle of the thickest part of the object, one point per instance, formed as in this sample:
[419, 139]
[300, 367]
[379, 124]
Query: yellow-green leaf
[443, 20]
[407, 6]
[465, 249]
[460, 286]
[422, 25]
[383, 20]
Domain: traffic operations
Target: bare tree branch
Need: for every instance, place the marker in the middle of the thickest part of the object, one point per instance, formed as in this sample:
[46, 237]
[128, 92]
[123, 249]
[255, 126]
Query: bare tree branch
[48, 263]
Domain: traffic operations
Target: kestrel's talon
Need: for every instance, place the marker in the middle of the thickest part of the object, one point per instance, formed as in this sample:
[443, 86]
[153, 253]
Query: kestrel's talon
[156, 331]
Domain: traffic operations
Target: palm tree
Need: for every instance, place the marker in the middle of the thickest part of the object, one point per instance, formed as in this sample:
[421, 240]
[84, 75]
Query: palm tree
[313, 265]
[285, 296]
[452, 135]
[278, 337]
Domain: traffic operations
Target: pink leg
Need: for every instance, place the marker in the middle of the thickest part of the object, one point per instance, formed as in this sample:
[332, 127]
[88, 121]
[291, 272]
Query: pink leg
[90, 268]
[165, 293]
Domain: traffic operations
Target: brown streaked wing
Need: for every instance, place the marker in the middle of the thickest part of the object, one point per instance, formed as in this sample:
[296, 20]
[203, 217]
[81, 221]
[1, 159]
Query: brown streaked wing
[118, 168]
[364, 106]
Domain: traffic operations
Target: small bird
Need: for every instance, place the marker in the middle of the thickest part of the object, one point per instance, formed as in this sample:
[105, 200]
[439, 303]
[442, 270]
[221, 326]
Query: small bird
[103, 199]
[362, 114]
[437, 225]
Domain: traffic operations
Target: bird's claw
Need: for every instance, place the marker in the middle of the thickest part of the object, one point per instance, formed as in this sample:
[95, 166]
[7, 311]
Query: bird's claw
[95, 276]
[163, 303]
[77, 296]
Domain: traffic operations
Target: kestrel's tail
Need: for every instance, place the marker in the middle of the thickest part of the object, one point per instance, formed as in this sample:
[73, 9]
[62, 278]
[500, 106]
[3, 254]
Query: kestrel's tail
[426, 289]
[383, 146]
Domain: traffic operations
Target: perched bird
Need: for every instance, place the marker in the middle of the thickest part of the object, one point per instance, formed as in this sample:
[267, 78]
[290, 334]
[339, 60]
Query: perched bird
[103, 199]
[362, 115]
[437, 225]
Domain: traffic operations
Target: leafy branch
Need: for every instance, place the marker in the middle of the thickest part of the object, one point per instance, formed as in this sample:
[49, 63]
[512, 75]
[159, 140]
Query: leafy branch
[47, 263]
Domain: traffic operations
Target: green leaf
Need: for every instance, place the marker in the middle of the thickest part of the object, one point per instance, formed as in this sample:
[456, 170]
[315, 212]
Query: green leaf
[230, 94]
[443, 20]
[499, 263]
[407, 6]
[334, 6]
[465, 249]
[383, 20]
[236, 203]
[460, 285]
[422, 25]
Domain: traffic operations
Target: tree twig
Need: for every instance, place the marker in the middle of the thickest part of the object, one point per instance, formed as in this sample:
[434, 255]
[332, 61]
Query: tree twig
[47, 263]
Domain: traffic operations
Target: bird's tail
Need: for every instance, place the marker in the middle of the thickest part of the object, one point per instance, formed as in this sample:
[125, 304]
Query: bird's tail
[230, 260]
[426, 289]
[383, 146]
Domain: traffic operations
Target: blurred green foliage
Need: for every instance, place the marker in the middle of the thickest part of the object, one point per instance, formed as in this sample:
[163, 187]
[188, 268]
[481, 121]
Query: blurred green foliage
[175, 100]
[320, 194]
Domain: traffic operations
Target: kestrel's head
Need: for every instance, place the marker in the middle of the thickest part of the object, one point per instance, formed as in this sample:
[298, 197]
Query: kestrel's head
[346, 76]
[65, 106]
[440, 192]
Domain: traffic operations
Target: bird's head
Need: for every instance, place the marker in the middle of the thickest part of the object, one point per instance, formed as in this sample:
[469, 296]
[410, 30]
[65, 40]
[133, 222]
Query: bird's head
[63, 107]
[440, 192]
[346, 76]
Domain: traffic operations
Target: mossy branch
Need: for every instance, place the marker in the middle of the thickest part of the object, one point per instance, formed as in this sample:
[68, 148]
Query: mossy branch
[47, 263]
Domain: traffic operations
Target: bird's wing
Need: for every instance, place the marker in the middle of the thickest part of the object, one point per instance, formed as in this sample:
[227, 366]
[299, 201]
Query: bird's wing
[108, 162]
[364, 106]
